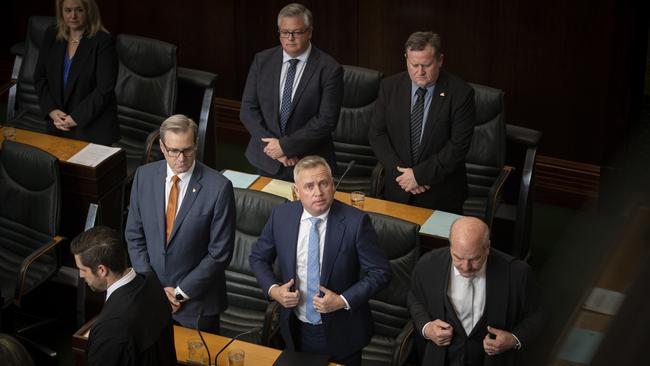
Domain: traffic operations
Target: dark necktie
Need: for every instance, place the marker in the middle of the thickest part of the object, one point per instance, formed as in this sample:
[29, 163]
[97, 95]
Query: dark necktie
[417, 115]
[285, 106]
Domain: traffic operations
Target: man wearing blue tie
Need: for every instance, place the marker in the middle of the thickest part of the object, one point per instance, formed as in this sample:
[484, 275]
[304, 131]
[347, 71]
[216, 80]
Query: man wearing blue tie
[322, 246]
[292, 98]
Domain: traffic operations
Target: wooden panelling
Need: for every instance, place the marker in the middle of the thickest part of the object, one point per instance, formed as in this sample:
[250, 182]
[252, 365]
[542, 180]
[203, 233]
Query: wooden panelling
[573, 70]
[567, 183]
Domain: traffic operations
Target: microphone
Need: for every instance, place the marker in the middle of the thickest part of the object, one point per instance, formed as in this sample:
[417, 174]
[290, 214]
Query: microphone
[347, 169]
[254, 330]
[198, 329]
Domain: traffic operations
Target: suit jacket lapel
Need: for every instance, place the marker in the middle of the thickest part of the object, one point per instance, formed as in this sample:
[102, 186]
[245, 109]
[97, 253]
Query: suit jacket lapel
[437, 99]
[310, 68]
[276, 75]
[79, 59]
[159, 199]
[191, 193]
[333, 241]
[497, 278]
[404, 109]
[59, 52]
[291, 243]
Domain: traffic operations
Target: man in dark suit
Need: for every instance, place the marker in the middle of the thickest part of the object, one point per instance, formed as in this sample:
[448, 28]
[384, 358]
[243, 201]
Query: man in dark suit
[322, 246]
[292, 99]
[181, 225]
[421, 129]
[135, 326]
[473, 305]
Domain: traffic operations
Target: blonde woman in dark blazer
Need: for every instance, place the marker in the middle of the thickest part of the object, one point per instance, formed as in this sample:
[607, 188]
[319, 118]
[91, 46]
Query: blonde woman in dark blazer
[76, 74]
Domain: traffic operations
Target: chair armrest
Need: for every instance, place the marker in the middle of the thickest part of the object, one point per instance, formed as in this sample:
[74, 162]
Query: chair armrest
[269, 328]
[27, 263]
[151, 139]
[494, 196]
[377, 181]
[18, 49]
[523, 135]
[198, 78]
[8, 85]
[404, 345]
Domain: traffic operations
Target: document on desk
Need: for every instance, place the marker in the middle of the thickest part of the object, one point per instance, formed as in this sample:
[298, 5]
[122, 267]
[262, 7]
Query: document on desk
[438, 224]
[604, 301]
[279, 188]
[239, 179]
[93, 154]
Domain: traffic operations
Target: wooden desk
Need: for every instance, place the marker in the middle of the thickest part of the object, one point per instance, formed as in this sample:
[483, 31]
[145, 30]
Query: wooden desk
[82, 185]
[255, 354]
[413, 214]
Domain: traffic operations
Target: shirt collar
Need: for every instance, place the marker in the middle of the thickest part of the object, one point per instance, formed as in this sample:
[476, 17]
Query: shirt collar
[429, 88]
[182, 176]
[302, 57]
[306, 215]
[121, 282]
[479, 274]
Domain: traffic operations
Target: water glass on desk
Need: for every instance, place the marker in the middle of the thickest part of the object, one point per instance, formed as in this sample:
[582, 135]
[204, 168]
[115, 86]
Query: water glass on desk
[236, 357]
[196, 354]
[357, 199]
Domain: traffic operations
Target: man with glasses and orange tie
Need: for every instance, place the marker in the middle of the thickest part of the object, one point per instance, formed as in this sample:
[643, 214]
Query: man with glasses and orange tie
[181, 225]
[292, 99]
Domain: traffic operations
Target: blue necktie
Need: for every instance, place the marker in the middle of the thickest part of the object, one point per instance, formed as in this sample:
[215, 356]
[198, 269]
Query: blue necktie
[285, 106]
[313, 270]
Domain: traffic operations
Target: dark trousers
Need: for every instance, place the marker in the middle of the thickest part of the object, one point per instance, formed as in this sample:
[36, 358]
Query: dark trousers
[313, 340]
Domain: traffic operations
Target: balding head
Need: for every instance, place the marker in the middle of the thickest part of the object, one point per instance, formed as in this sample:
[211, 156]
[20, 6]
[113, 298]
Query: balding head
[469, 244]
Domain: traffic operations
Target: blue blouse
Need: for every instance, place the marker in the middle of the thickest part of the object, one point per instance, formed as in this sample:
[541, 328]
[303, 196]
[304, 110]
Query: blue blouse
[67, 62]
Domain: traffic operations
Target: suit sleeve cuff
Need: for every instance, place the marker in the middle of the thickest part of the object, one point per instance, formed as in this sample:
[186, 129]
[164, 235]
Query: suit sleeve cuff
[517, 342]
[268, 293]
[347, 304]
[179, 291]
[423, 328]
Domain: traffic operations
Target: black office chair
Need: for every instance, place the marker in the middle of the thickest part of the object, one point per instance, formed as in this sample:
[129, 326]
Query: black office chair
[30, 193]
[360, 88]
[485, 161]
[145, 90]
[248, 306]
[516, 211]
[195, 97]
[23, 109]
[392, 342]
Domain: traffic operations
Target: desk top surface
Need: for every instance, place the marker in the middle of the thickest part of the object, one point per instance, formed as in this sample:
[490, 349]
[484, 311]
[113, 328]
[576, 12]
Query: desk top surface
[414, 214]
[61, 147]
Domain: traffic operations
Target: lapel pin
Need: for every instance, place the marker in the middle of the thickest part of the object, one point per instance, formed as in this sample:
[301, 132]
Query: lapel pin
[442, 94]
[193, 190]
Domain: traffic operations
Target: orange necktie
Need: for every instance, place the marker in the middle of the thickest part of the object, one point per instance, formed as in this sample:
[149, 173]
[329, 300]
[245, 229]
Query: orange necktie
[171, 208]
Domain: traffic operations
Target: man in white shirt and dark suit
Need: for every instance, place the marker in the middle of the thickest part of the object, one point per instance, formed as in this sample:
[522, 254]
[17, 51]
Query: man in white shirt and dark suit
[472, 304]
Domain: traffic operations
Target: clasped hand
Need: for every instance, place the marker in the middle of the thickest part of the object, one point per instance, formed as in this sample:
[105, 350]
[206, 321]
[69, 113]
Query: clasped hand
[274, 151]
[327, 303]
[61, 120]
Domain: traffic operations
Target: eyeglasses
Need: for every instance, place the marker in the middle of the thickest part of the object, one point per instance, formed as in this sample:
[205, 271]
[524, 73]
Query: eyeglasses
[295, 34]
[174, 153]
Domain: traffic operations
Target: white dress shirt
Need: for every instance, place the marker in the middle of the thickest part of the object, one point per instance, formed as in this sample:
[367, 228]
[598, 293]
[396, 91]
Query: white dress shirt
[300, 67]
[128, 277]
[456, 290]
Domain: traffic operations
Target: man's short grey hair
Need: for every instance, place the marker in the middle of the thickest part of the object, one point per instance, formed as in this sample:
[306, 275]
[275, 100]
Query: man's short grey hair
[295, 10]
[309, 162]
[419, 40]
[178, 123]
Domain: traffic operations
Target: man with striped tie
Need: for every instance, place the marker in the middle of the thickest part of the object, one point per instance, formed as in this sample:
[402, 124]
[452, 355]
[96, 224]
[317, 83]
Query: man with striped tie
[322, 246]
[292, 99]
[422, 127]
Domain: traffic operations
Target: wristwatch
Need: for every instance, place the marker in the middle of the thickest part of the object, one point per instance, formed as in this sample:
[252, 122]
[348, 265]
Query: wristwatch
[179, 296]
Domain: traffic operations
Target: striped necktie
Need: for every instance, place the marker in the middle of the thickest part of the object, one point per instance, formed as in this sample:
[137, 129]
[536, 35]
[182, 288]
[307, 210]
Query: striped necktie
[285, 106]
[417, 116]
